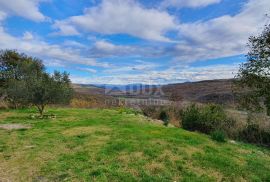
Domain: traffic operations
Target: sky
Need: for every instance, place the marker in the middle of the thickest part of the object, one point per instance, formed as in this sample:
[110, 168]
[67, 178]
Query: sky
[134, 41]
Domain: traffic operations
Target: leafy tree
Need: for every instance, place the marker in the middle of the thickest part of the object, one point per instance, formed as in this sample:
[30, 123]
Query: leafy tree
[47, 89]
[253, 78]
[24, 81]
[15, 71]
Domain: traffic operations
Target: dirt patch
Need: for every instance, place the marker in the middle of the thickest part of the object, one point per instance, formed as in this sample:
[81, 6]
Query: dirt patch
[14, 126]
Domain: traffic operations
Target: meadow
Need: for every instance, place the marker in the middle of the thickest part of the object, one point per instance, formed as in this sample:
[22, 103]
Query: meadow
[108, 145]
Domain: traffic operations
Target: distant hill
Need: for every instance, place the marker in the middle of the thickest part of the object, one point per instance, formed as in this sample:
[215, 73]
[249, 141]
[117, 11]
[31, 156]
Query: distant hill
[210, 91]
[88, 89]
[217, 91]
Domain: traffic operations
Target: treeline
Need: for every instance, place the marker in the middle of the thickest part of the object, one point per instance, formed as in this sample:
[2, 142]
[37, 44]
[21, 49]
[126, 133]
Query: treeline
[24, 82]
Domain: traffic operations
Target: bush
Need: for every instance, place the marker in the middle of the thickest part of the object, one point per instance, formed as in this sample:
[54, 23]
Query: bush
[168, 114]
[218, 136]
[254, 134]
[205, 119]
[164, 117]
[191, 118]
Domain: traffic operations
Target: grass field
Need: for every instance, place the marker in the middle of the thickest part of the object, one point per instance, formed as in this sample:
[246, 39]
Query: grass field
[106, 145]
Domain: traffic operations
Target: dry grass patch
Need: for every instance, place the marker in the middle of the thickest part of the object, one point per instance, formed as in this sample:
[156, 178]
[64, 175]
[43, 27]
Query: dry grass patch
[98, 141]
[168, 155]
[126, 158]
[205, 172]
[14, 126]
[154, 167]
[86, 130]
[4, 115]
[192, 150]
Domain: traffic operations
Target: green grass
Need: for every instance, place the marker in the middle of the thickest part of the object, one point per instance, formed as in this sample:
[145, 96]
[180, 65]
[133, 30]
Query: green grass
[108, 145]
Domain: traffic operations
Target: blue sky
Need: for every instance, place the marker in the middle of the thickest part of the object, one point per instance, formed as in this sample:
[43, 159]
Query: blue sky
[134, 41]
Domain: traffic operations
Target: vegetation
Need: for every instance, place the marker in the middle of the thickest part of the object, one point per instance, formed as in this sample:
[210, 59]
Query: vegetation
[205, 119]
[24, 82]
[167, 114]
[213, 119]
[163, 116]
[106, 145]
[254, 75]
[254, 134]
[218, 136]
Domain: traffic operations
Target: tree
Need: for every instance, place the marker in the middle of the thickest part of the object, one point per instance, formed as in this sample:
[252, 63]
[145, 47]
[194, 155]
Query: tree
[47, 89]
[15, 71]
[24, 81]
[253, 77]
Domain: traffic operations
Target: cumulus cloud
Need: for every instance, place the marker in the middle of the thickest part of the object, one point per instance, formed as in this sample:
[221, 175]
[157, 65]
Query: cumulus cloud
[25, 8]
[171, 75]
[223, 36]
[65, 29]
[103, 48]
[41, 49]
[137, 66]
[120, 17]
[188, 3]
[219, 37]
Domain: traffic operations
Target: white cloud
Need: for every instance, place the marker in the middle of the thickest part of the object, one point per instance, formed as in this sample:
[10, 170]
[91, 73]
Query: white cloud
[171, 75]
[28, 36]
[223, 36]
[219, 37]
[137, 66]
[25, 8]
[89, 70]
[3, 15]
[103, 48]
[188, 3]
[46, 51]
[64, 29]
[120, 17]
[72, 43]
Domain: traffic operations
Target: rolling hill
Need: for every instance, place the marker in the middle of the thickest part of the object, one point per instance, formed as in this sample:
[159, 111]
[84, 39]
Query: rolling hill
[214, 91]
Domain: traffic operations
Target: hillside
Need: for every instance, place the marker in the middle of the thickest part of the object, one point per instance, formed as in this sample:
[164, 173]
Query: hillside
[108, 145]
[88, 89]
[214, 91]
[217, 91]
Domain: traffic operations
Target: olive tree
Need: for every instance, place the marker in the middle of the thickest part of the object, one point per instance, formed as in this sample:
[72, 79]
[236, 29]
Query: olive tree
[49, 89]
[23, 81]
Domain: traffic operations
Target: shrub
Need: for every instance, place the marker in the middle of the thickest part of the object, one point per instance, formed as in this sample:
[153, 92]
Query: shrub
[168, 114]
[218, 136]
[164, 117]
[205, 119]
[254, 134]
[150, 111]
[191, 118]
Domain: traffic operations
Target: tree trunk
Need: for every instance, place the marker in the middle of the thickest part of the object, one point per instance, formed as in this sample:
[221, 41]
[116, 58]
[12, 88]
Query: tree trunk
[41, 110]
